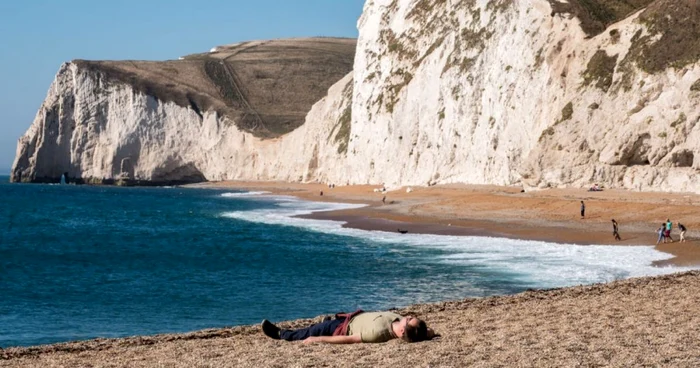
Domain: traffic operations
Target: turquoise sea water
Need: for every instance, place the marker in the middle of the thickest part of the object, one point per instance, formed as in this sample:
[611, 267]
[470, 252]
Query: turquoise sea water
[78, 262]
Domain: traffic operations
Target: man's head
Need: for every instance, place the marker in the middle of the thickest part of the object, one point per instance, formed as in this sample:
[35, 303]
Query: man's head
[414, 329]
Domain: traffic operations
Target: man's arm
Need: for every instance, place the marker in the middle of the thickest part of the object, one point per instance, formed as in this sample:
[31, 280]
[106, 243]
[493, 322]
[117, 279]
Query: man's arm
[353, 339]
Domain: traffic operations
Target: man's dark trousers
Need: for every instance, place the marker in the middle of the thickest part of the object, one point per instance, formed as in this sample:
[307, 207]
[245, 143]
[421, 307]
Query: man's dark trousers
[320, 329]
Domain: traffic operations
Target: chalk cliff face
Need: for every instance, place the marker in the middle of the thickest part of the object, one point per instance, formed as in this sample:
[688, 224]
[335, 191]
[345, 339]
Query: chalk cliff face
[502, 92]
[539, 93]
[213, 116]
[119, 135]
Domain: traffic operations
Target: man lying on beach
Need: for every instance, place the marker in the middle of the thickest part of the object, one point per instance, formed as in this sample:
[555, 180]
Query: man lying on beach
[356, 327]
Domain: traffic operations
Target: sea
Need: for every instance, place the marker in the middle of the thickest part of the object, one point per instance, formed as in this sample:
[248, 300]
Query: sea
[81, 262]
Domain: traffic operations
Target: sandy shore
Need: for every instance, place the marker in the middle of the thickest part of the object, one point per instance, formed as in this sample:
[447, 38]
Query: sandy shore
[549, 215]
[631, 323]
[638, 322]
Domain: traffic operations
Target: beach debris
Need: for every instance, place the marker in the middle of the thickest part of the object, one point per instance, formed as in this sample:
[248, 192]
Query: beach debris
[402, 231]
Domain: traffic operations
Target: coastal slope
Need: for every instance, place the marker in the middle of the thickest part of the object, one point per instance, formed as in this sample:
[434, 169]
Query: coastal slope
[540, 93]
[527, 92]
[638, 322]
[203, 117]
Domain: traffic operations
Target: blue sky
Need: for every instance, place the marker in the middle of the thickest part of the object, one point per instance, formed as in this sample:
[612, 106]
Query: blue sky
[36, 36]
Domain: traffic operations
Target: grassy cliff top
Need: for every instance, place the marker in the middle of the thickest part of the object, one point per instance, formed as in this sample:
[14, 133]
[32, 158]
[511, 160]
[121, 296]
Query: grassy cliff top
[265, 87]
[597, 15]
[673, 37]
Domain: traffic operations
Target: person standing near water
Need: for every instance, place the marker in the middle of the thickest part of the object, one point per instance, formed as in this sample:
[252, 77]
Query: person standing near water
[682, 228]
[669, 226]
[616, 234]
[661, 231]
[583, 210]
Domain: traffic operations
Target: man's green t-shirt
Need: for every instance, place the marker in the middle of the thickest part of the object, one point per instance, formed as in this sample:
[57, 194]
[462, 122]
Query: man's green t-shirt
[373, 326]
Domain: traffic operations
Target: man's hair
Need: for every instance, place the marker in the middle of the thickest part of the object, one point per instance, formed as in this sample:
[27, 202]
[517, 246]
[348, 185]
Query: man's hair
[415, 333]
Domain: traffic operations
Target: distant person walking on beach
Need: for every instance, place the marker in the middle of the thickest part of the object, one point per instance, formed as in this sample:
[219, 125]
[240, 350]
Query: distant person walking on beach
[669, 226]
[682, 228]
[356, 327]
[661, 231]
[616, 234]
[583, 210]
[384, 200]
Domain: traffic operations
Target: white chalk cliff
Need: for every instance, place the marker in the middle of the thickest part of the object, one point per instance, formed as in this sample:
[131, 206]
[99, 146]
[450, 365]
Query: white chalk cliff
[442, 91]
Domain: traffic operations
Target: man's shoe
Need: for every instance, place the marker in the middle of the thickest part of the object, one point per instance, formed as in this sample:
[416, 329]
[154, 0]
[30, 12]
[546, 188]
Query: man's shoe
[270, 330]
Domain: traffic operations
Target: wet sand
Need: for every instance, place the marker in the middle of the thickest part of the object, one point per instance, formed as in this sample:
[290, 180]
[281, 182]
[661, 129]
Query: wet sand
[549, 215]
[650, 321]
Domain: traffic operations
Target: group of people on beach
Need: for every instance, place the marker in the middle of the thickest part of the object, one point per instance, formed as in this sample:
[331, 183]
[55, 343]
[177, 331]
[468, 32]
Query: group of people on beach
[362, 327]
[665, 232]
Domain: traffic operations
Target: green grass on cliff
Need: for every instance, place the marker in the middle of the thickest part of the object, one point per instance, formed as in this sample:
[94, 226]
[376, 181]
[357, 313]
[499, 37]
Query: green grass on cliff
[597, 15]
[264, 87]
[342, 137]
[676, 23]
[600, 70]
[671, 40]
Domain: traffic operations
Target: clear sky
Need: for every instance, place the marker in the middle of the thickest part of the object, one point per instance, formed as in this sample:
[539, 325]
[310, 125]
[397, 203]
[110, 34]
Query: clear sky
[36, 36]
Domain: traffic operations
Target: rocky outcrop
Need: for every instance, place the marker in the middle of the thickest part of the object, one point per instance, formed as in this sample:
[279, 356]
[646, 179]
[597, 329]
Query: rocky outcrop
[122, 136]
[509, 92]
[539, 93]
[211, 116]
[630, 119]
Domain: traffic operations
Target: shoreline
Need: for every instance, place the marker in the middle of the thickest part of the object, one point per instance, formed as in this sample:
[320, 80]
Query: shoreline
[620, 323]
[506, 212]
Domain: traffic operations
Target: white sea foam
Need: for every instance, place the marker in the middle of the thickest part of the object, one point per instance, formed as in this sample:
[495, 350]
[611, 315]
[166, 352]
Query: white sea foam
[538, 263]
[243, 194]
